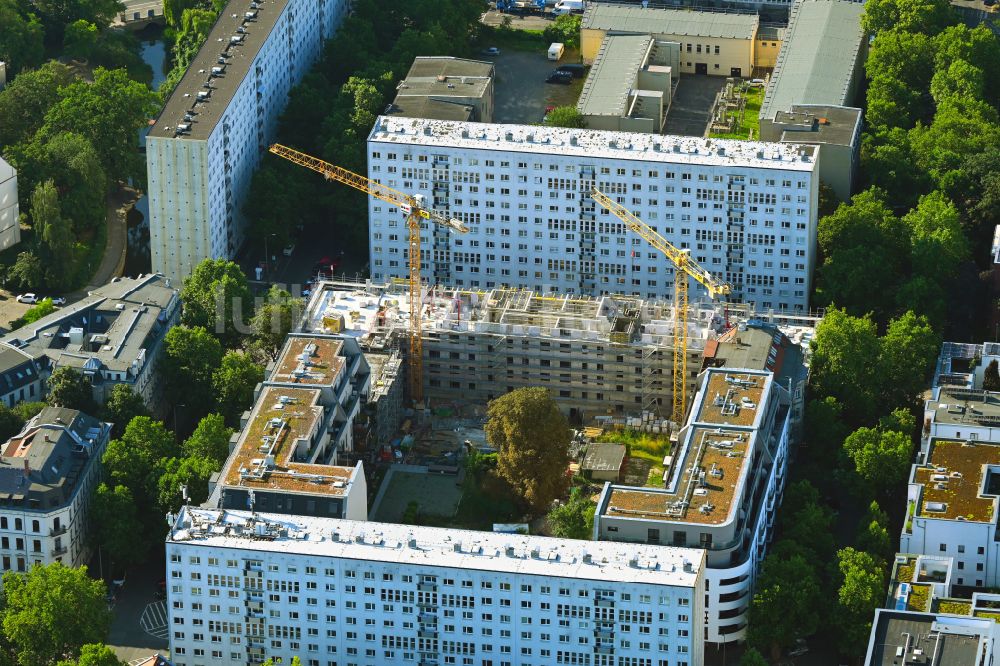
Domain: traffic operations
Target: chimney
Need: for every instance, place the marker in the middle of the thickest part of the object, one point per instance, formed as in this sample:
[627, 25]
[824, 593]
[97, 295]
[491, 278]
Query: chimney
[27, 468]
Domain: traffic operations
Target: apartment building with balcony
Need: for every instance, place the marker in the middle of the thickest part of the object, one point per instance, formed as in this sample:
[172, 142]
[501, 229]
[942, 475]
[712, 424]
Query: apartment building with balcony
[745, 210]
[720, 491]
[244, 587]
[293, 452]
[207, 142]
[48, 475]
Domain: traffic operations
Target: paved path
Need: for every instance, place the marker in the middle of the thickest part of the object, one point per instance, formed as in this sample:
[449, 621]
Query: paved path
[113, 262]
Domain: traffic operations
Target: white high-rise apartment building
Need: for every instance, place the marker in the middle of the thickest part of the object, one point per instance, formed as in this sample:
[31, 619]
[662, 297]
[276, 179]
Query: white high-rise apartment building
[205, 146]
[745, 210]
[244, 587]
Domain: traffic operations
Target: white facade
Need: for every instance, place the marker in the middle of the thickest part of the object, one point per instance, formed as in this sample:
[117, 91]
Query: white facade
[44, 511]
[735, 542]
[746, 210]
[244, 587]
[10, 226]
[208, 141]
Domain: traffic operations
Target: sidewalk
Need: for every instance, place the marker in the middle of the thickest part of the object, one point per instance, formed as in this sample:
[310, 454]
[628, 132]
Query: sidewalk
[113, 262]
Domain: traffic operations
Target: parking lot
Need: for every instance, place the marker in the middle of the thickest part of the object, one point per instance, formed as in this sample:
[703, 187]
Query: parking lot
[139, 626]
[522, 94]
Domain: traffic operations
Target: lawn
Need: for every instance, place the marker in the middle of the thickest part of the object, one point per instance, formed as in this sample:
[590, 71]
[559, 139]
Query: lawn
[750, 127]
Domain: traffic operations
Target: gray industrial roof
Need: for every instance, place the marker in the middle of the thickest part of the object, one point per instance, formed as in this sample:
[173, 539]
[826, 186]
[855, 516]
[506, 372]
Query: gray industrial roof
[604, 457]
[941, 640]
[818, 56]
[606, 91]
[238, 56]
[446, 77]
[448, 66]
[416, 106]
[630, 18]
[832, 125]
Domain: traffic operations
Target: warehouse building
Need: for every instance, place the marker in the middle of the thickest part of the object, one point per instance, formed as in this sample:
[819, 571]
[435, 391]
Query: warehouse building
[745, 210]
[446, 88]
[721, 488]
[342, 592]
[714, 43]
[811, 95]
[207, 142]
[630, 84]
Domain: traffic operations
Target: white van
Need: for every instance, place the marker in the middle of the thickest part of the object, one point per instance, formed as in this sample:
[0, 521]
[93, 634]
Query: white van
[568, 7]
[556, 50]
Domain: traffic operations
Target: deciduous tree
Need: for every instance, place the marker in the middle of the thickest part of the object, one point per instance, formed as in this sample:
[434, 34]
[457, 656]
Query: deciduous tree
[52, 611]
[274, 320]
[565, 116]
[925, 16]
[574, 519]
[786, 605]
[21, 38]
[192, 472]
[25, 101]
[68, 388]
[861, 592]
[95, 654]
[531, 437]
[209, 440]
[116, 526]
[190, 357]
[234, 383]
[216, 297]
[121, 406]
[881, 457]
[132, 460]
[41, 309]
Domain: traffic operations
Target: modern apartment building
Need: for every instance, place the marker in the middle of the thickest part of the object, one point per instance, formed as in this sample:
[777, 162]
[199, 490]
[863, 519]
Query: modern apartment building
[202, 152]
[745, 210]
[10, 221]
[720, 491]
[243, 587]
[931, 639]
[291, 455]
[49, 472]
[112, 336]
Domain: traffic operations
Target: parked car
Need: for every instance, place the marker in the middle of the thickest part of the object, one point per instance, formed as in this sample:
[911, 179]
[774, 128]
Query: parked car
[578, 71]
[30, 299]
[559, 77]
[58, 300]
[491, 51]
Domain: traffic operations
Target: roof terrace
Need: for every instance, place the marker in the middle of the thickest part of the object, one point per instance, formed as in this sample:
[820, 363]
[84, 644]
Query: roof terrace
[954, 479]
[309, 361]
[276, 444]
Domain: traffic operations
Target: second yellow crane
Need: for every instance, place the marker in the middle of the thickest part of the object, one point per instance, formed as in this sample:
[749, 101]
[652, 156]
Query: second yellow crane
[684, 267]
[412, 205]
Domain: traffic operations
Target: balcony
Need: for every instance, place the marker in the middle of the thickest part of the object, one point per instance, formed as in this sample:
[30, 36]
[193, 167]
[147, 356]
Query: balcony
[61, 550]
[427, 634]
[56, 531]
[604, 603]
[604, 649]
[427, 587]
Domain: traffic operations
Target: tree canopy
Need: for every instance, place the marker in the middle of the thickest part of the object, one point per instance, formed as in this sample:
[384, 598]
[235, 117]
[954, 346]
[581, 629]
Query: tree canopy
[210, 440]
[190, 358]
[861, 591]
[68, 388]
[574, 519]
[531, 437]
[52, 611]
[787, 603]
[234, 383]
[216, 297]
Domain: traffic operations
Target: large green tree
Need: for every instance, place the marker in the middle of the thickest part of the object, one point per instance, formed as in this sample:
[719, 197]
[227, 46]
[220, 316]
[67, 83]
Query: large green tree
[21, 42]
[64, 12]
[210, 440]
[115, 525]
[26, 100]
[191, 472]
[55, 233]
[190, 357]
[109, 112]
[234, 384]
[906, 358]
[862, 590]
[873, 533]
[71, 162]
[786, 605]
[845, 362]
[133, 460]
[94, 654]
[531, 437]
[274, 320]
[216, 297]
[69, 388]
[51, 612]
[121, 406]
[925, 16]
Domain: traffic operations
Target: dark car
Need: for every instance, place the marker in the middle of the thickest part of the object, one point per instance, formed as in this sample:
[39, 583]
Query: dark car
[578, 71]
[559, 77]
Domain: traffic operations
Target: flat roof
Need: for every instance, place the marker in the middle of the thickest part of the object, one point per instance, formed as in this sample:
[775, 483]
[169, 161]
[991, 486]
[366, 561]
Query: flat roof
[449, 67]
[953, 480]
[416, 106]
[942, 640]
[963, 406]
[238, 56]
[818, 56]
[307, 360]
[438, 547]
[609, 83]
[820, 123]
[604, 457]
[709, 465]
[592, 144]
[632, 18]
[282, 425]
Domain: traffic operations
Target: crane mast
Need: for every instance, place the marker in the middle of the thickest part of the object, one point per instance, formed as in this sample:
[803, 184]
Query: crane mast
[684, 267]
[412, 205]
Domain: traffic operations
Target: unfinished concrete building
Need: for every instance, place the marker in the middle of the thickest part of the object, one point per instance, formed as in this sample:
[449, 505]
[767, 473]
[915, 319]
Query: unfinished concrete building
[598, 356]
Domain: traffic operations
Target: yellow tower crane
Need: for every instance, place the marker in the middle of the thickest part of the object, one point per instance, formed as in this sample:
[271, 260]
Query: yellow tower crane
[412, 205]
[685, 266]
